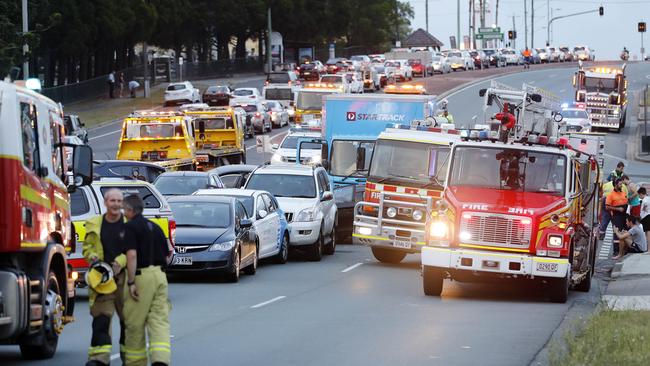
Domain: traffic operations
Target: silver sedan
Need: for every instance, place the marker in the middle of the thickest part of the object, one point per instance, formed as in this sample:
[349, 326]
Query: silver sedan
[440, 64]
[279, 115]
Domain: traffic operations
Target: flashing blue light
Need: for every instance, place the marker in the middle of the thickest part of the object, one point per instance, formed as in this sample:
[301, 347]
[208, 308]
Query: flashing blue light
[565, 105]
[483, 135]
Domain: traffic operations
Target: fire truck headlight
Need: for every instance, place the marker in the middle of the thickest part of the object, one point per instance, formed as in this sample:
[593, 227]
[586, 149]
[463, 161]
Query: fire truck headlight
[391, 212]
[464, 235]
[438, 230]
[417, 215]
[364, 231]
[555, 241]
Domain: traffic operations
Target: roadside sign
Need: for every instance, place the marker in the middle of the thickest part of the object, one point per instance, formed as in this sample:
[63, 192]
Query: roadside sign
[489, 36]
[180, 60]
[490, 30]
[262, 143]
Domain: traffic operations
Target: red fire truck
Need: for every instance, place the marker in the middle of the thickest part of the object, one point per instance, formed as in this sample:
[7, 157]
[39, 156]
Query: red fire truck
[36, 285]
[521, 202]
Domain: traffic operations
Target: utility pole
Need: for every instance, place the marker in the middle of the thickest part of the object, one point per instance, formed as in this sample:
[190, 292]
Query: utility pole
[458, 23]
[532, 24]
[548, 22]
[471, 26]
[269, 59]
[426, 14]
[474, 21]
[25, 46]
[482, 18]
[397, 41]
[496, 14]
[525, 25]
[514, 32]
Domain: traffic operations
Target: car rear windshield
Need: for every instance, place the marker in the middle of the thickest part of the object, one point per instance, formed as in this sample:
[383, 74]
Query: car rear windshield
[307, 67]
[279, 78]
[249, 107]
[414, 62]
[170, 185]
[331, 79]
[202, 214]
[176, 87]
[278, 94]
[489, 52]
[284, 185]
[217, 90]
[578, 48]
[146, 195]
[243, 92]
[455, 54]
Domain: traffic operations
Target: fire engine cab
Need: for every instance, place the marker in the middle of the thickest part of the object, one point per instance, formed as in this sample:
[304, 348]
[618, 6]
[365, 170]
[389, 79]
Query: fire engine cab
[520, 200]
[604, 92]
[36, 285]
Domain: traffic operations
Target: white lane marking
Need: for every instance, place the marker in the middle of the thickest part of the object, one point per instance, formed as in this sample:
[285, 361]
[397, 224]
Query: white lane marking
[105, 134]
[552, 75]
[272, 137]
[562, 90]
[115, 356]
[351, 267]
[606, 247]
[268, 302]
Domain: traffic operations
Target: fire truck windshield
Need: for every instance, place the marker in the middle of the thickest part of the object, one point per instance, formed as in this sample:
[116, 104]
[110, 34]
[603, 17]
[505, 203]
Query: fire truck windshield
[600, 84]
[508, 169]
[413, 163]
[310, 100]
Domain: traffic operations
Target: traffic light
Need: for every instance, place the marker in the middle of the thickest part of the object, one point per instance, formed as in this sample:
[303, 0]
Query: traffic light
[514, 34]
[642, 27]
[601, 11]
[511, 35]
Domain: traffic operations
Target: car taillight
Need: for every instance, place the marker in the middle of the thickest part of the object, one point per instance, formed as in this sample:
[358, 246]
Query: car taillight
[251, 96]
[257, 114]
[172, 233]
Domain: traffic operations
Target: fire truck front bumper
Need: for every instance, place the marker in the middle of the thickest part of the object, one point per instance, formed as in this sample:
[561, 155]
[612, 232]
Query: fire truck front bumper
[481, 261]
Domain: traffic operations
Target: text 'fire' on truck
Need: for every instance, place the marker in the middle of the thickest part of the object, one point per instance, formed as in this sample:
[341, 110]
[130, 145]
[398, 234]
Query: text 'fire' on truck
[164, 138]
[37, 291]
[603, 91]
[520, 200]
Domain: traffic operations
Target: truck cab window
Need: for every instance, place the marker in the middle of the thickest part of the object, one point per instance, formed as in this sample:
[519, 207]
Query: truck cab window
[29, 128]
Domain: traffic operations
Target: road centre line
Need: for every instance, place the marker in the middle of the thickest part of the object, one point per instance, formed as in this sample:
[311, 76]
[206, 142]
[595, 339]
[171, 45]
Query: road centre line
[267, 302]
[105, 134]
[352, 267]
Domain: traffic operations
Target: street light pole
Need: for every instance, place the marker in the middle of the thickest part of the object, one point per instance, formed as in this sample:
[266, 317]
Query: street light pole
[458, 23]
[548, 26]
[525, 25]
[25, 46]
[532, 24]
[269, 59]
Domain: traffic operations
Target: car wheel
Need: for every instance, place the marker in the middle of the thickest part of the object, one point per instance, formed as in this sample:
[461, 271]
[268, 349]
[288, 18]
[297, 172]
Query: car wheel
[251, 269]
[331, 248]
[233, 275]
[283, 254]
[317, 247]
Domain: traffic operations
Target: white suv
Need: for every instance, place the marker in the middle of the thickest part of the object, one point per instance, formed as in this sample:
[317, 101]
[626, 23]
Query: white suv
[306, 197]
[181, 93]
[286, 151]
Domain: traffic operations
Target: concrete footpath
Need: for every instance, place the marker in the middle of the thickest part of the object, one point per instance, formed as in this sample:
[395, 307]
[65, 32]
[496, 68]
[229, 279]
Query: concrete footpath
[629, 288]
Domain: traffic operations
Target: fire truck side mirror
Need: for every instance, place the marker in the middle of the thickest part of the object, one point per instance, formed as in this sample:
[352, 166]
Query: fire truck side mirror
[536, 98]
[481, 93]
[82, 166]
[558, 117]
[361, 158]
[202, 127]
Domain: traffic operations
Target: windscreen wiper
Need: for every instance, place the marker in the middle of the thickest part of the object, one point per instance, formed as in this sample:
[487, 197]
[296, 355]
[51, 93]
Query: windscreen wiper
[353, 173]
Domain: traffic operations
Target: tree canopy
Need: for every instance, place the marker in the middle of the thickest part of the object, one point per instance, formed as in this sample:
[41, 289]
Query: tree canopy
[74, 40]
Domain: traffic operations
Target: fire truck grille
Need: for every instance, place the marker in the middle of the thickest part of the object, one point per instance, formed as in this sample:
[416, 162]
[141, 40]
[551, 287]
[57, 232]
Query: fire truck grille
[497, 230]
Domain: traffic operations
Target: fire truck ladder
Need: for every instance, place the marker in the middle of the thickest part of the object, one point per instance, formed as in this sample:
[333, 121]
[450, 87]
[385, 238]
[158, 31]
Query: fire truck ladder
[533, 107]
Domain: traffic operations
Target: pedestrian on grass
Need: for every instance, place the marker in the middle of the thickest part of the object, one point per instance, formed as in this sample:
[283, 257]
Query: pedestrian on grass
[633, 240]
[103, 243]
[147, 305]
[616, 173]
[120, 84]
[111, 84]
[616, 203]
[133, 85]
[645, 212]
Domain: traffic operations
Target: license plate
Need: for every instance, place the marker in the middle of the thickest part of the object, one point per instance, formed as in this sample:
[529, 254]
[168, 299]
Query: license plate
[213, 100]
[307, 73]
[405, 244]
[308, 117]
[182, 261]
[547, 267]
[202, 158]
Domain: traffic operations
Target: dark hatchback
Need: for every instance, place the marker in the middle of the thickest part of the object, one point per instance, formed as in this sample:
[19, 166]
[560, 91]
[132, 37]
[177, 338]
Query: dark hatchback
[213, 234]
[308, 72]
[127, 169]
[217, 95]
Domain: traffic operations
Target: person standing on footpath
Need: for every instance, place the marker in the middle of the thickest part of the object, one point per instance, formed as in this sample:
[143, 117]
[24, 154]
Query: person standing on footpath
[645, 212]
[633, 199]
[616, 173]
[103, 243]
[111, 84]
[147, 303]
[605, 217]
[616, 203]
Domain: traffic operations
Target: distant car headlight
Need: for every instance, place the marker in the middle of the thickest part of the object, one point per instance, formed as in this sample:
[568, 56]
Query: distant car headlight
[555, 241]
[391, 212]
[417, 215]
[222, 247]
[306, 215]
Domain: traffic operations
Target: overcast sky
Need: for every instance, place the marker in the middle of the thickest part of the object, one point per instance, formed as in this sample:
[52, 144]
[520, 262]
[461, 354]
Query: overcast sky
[606, 35]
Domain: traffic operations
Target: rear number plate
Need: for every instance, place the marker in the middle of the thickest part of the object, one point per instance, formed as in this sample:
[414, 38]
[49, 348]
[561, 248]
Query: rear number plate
[402, 244]
[202, 158]
[547, 267]
[182, 261]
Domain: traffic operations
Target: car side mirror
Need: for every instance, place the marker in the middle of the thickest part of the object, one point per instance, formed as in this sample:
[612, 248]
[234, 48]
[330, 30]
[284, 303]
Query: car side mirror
[558, 117]
[481, 93]
[361, 158]
[536, 98]
[262, 214]
[202, 127]
[245, 223]
[82, 165]
[292, 103]
[327, 196]
[275, 146]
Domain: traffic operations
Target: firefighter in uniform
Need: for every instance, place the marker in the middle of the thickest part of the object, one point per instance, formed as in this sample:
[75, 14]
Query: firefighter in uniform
[103, 243]
[146, 303]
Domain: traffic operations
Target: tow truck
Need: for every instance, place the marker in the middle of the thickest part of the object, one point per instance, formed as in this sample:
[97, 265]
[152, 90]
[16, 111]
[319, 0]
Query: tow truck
[520, 202]
[309, 101]
[164, 138]
[604, 92]
[36, 284]
[218, 135]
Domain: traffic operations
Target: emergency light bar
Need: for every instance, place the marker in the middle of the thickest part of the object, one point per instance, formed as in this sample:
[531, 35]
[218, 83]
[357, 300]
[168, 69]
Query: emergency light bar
[405, 89]
[300, 128]
[605, 70]
[156, 114]
[323, 86]
[446, 128]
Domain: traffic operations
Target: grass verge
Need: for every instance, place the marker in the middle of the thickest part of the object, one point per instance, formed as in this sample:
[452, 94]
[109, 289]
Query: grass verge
[608, 338]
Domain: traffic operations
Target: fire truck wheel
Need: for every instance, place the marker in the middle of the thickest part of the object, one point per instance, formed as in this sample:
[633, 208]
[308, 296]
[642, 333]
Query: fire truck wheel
[48, 336]
[387, 255]
[558, 288]
[585, 285]
[432, 281]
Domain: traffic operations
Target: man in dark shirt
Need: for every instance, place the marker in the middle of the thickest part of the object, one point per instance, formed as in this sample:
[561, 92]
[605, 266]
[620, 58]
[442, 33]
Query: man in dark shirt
[103, 243]
[147, 306]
